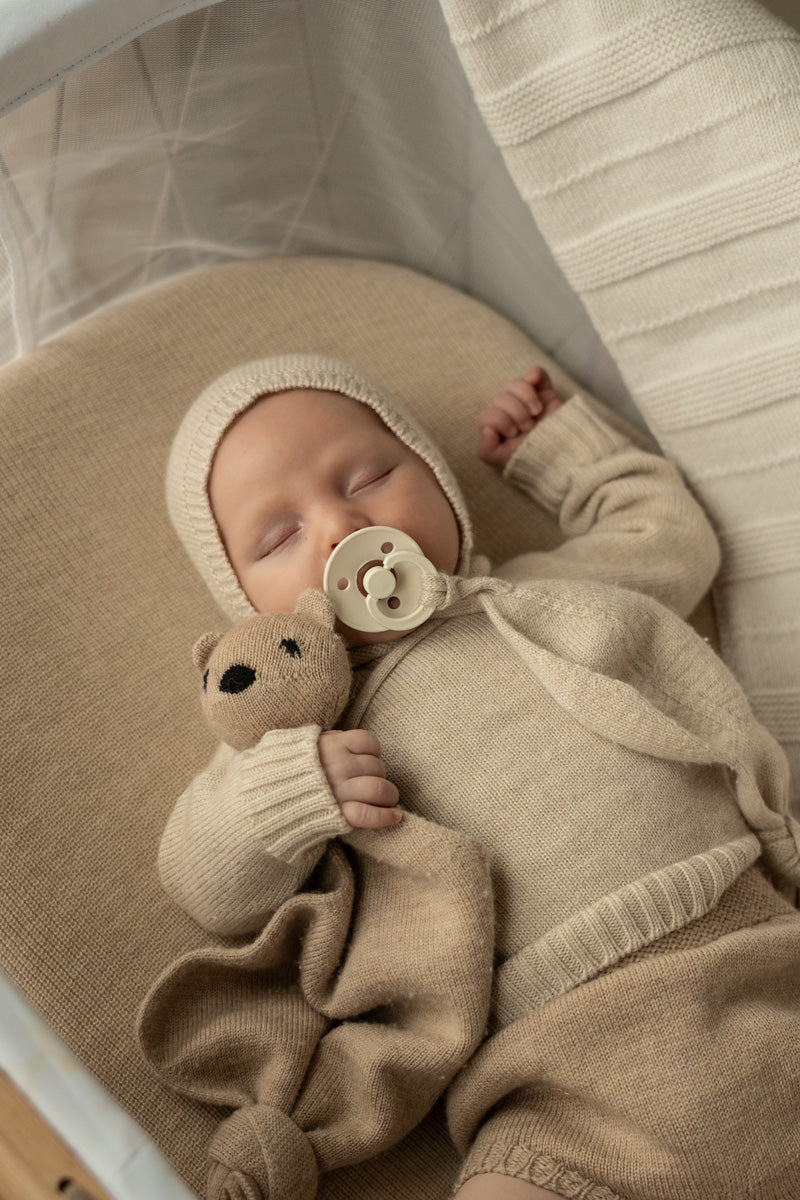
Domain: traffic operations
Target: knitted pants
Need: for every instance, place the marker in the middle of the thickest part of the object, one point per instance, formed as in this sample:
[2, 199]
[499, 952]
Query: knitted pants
[675, 1074]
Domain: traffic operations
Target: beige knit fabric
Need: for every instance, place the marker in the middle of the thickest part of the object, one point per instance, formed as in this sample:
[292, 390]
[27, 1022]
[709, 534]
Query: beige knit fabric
[657, 146]
[274, 671]
[544, 1103]
[335, 1029]
[629, 521]
[100, 609]
[662, 752]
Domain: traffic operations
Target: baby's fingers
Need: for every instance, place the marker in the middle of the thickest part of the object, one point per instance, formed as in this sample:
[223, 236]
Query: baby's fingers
[525, 393]
[499, 422]
[547, 396]
[369, 803]
[368, 789]
[368, 816]
[509, 415]
[488, 442]
[357, 741]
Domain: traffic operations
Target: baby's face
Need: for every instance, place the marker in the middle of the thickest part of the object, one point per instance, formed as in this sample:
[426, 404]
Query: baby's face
[300, 470]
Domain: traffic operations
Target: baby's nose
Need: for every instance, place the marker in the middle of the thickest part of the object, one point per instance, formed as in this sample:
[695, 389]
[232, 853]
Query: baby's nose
[343, 530]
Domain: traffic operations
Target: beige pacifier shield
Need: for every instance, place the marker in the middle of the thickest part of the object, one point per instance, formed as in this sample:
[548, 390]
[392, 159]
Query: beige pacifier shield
[374, 578]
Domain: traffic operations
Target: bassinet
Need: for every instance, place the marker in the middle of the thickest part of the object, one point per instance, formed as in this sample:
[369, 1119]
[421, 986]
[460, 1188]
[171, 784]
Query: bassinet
[622, 184]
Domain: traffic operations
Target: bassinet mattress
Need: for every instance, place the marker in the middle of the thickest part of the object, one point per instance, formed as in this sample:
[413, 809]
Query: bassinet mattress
[98, 614]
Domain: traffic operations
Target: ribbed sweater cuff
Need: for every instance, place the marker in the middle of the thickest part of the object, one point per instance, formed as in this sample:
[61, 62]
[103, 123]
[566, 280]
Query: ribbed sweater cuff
[574, 436]
[284, 793]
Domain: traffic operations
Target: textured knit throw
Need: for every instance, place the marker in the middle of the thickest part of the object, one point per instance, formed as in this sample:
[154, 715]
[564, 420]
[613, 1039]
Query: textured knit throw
[658, 146]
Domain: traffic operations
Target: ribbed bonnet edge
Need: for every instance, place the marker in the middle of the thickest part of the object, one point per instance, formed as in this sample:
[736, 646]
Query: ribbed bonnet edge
[221, 402]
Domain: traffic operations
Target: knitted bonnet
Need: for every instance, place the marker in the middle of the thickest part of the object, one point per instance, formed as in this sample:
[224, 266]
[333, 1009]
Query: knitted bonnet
[222, 401]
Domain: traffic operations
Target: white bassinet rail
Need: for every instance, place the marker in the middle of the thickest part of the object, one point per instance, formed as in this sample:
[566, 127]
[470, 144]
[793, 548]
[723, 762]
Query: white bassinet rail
[122, 1157]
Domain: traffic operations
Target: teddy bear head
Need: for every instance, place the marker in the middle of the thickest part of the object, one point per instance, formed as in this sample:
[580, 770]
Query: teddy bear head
[274, 671]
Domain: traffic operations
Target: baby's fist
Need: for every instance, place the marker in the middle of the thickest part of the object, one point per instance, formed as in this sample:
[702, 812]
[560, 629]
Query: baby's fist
[354, 768]
[513, 413]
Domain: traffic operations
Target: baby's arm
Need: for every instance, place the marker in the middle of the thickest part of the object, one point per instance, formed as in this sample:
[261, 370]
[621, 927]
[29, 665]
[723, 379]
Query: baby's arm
[626, 514]
[248, 830]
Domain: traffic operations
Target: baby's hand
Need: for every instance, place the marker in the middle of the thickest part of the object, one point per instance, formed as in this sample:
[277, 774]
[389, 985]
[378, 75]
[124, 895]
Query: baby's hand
[513, 413]
[351, 760]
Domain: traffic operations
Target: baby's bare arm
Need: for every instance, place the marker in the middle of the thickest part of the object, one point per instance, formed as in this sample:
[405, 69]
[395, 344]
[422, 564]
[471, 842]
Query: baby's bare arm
[501, 1187]
[356, 774]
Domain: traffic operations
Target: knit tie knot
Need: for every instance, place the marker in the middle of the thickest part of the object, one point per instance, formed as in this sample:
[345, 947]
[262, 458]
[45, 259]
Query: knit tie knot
[259, 1153]
[450, 595]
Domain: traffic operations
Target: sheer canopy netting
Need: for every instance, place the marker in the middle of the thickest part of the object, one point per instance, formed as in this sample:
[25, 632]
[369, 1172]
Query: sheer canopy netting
[248, 129]
[620, 179]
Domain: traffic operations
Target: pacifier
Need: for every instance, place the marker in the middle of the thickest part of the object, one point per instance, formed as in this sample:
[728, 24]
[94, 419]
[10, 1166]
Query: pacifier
[374, 579]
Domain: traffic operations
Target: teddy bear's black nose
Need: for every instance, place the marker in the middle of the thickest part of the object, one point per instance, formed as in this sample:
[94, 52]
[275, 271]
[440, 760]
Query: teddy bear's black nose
[237, 678]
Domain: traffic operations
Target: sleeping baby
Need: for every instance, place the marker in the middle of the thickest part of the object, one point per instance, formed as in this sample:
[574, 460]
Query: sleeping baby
[560, 715]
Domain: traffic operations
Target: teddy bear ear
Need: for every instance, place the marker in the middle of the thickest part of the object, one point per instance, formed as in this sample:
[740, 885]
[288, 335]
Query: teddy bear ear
[314, 603]
[203, 648]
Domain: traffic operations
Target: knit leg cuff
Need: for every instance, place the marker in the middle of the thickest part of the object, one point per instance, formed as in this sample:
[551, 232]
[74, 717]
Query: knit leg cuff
[494, 1153]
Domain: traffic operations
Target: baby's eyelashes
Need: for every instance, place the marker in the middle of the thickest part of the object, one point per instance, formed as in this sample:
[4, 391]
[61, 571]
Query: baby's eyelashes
[276, 540]
[369, 477]
[282, 534]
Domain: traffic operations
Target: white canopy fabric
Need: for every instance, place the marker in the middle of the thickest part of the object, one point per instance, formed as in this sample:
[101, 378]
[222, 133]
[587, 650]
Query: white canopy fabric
[250, 129]
[43, 42]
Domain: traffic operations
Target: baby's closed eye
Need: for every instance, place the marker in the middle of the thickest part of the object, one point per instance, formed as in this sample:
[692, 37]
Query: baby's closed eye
[276, 539]
[368, 477]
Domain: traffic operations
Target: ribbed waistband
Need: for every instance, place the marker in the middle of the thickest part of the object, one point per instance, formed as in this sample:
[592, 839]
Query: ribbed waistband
[616, 926]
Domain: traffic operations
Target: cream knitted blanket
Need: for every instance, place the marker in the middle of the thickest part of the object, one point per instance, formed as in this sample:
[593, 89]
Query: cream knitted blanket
[658, 147]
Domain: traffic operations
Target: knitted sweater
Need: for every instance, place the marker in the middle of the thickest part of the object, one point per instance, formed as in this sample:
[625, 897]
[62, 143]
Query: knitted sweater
[529, 719]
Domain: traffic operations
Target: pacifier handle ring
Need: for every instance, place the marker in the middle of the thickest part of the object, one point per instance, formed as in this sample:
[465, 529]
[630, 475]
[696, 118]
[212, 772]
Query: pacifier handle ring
[422, 611]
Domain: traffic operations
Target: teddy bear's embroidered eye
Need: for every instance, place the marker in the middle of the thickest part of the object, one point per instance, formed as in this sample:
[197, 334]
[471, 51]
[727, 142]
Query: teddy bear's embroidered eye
[237, 678]
[291, 647]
